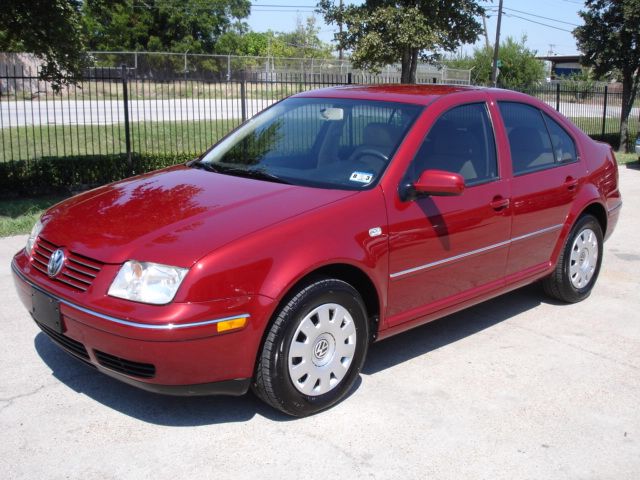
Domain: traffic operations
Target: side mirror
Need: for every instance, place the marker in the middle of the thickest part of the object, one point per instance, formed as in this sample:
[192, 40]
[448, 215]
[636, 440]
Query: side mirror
[439, 183]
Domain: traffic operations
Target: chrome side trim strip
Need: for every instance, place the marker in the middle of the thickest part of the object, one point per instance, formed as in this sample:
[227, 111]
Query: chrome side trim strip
[145, 326]
[536, 233]
[613, 209]
[475, 252]
[450, 259]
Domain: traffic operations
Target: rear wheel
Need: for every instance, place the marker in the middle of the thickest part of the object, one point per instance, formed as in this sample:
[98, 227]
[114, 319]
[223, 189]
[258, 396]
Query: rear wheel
[314, 349]
[579, 264]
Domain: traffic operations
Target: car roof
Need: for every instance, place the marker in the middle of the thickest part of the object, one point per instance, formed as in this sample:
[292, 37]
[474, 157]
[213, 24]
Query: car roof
[417, 94]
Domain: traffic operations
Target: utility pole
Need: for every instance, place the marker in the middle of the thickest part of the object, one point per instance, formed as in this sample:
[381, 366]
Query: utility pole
[496, 49]
[486, 32]
[340, 52]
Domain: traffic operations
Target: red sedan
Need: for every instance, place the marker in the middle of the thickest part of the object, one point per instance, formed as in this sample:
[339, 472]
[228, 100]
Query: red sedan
[333, 219]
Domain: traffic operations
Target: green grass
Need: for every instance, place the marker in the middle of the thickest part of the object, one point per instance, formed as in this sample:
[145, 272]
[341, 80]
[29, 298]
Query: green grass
[593, 125]
[624, 158]
[18, 216]
[23, 143]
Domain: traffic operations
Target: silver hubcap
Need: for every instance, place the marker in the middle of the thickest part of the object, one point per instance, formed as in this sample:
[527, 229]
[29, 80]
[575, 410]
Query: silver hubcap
[322, 349]
[584, 258]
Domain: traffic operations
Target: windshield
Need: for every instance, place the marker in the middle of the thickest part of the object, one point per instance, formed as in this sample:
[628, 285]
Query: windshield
[321, 142]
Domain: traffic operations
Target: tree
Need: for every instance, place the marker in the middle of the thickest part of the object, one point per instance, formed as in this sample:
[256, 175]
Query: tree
[161, 25]
[50, 30]
[303, 42]
[609, 40]
[382, 32]
[520, 68]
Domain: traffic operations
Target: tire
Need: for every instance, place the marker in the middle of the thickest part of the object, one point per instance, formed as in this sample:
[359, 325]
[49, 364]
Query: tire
[302, 373]
[578, 267]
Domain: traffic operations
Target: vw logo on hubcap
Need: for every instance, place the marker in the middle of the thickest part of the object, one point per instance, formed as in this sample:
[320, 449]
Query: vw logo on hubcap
[55, 263]
[321, 348]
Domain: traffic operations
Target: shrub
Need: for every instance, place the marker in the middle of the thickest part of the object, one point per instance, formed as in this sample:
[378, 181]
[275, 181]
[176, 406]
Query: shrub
[49, 175]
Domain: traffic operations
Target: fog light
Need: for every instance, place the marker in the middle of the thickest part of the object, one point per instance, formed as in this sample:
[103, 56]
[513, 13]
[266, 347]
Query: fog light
[233, 324]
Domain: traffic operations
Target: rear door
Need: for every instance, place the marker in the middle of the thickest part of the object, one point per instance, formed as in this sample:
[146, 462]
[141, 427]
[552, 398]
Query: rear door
[546, 176]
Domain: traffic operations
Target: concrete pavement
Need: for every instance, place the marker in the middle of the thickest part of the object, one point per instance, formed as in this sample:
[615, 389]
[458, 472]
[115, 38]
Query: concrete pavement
[516, 388]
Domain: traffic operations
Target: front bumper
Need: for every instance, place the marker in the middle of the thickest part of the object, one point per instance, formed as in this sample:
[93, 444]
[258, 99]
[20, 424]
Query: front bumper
[183, 358]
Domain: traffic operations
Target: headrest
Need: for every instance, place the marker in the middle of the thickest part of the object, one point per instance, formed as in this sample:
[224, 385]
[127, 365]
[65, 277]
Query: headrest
[379, 135]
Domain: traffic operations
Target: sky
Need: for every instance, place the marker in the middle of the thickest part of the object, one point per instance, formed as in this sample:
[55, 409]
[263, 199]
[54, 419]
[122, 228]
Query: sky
[546, 23]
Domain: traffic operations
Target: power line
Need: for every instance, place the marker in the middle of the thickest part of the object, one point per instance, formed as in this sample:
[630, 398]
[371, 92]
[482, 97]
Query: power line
[540, 16]
[281, 6]
[539, 23]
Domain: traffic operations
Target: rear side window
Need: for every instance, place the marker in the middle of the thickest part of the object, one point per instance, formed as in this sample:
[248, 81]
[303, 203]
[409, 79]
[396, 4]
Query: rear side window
[460, 141]
[563, 147]
[536, 140]
[529, 140]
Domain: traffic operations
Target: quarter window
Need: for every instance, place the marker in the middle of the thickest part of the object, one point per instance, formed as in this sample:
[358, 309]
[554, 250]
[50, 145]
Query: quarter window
[563, 147]
[460, 141]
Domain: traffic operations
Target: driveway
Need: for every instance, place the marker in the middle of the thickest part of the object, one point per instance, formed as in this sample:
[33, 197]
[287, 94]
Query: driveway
[515, 388]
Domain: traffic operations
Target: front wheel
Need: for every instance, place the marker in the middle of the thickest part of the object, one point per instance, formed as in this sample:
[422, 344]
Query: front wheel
[314, 350]
[579, 263]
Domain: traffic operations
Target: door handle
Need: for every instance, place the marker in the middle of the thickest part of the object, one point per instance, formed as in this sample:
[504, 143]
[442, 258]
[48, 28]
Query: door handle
[499, 203]
[571, 183]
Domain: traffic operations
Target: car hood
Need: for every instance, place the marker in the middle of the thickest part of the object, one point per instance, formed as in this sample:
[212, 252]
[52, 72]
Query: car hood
[174, 216]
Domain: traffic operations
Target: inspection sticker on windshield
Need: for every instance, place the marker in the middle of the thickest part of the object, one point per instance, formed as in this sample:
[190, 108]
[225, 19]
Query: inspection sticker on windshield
[361, 177]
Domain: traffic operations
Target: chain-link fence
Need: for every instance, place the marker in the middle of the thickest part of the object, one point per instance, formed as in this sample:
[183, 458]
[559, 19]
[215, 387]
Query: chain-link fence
[168, 66]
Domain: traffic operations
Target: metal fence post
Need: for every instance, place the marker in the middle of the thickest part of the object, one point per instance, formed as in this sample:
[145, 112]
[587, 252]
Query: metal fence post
[557, 97]
[243, 96]
[127, 132]
[349, 78]
[604, 111]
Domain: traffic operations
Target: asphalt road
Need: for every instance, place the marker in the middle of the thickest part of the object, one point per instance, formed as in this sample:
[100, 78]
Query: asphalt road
[516, 388]
[107, 112]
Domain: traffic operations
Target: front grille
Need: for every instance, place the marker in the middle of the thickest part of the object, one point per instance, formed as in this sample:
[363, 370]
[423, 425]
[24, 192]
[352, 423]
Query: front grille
[128, 367]
[70, 345]
[78, 271]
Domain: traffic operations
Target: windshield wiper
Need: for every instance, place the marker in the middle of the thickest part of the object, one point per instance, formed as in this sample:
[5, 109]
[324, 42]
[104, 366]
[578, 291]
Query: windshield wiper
[256, 173]
[209, 167]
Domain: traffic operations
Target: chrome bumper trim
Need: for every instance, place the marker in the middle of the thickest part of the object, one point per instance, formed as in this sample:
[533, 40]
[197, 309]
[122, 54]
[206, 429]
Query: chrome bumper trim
[476, 252]
[613, 209]
[145, 326]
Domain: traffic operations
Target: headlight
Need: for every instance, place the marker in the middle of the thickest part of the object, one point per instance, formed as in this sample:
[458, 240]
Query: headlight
[147, 282]
[31, 241]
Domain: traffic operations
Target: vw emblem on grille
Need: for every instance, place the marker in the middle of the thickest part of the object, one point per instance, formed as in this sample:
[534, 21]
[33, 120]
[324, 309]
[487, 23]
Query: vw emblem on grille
[55, 263]
[320, 350]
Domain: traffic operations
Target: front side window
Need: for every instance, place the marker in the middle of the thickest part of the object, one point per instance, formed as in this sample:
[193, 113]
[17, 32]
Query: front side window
[321, 142]
[460, 141]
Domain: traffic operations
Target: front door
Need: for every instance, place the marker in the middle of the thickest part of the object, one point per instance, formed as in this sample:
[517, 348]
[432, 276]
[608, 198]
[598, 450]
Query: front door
[445, 250]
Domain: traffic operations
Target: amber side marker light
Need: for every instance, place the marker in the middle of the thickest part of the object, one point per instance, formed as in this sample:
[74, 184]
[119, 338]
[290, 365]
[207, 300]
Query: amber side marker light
[233, 324]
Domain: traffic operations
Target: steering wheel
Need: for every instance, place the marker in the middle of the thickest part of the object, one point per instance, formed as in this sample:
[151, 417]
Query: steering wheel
[372, 153]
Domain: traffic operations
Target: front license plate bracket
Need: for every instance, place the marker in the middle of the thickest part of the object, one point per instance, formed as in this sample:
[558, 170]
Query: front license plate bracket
[46, 311]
